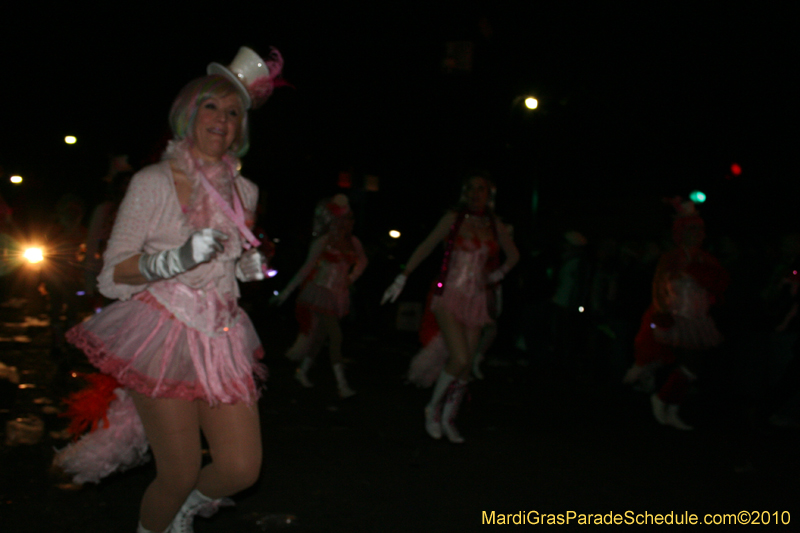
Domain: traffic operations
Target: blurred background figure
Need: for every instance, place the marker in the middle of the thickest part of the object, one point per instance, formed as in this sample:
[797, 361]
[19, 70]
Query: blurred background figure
[570, 303]
[335, 261]
[687, 282]
[63, 275]
[99, 231]
[117, 163]
[462, 299]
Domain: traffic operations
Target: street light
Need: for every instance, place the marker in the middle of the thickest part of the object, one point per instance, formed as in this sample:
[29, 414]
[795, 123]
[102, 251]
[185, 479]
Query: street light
[16, 180]
[70, 139]
[34, 255]
[531, 103]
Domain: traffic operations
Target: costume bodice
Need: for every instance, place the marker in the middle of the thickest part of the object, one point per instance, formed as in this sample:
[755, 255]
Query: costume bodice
[334, 267]
[468, 259]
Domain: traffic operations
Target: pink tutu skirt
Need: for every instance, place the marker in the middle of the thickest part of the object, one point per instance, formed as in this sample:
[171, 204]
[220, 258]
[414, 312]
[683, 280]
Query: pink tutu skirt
[324, 300]
[141, 344]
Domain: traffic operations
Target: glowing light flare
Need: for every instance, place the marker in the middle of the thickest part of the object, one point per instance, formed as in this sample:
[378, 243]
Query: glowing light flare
[16, 179]
[271, 273]
[70, 139]
[531, 103]
[394, 234]
[736, 169]
[581, 309]
[275, 293]
[33, 255]
[697, 197]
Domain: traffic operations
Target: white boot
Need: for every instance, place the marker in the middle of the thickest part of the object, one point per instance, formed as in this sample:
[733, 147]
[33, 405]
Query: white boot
[672, 418]
[433, 421]
[344, 389]
[659, 408]
[301, 374]
[455, 395]
[196, 504]
[476, 365]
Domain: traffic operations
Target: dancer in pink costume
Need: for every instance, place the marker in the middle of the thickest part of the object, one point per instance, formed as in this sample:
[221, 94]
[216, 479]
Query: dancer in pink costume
[335, 260]
[177, 341]
[687, 282]
[461, 298]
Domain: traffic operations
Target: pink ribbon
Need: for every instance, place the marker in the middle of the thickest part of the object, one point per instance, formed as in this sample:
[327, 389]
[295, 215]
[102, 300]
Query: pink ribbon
[236, 214]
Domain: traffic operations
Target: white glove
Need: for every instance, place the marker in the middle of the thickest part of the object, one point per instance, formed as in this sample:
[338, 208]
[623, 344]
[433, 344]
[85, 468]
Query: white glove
[394, 289]
[251, 266]
[201, 246]
[495, 277]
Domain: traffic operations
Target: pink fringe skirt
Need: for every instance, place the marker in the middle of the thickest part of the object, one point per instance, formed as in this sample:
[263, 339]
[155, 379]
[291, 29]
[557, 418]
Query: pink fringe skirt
[141, 344]
[468, 307]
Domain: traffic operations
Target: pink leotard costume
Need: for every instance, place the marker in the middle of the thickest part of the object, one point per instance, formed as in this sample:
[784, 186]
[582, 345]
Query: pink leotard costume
[326, 277]
[183, 337]
[466, 289]
[328, 291]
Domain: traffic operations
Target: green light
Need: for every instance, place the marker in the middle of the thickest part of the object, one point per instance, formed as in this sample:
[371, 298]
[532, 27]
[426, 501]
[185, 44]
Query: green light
[697, 197]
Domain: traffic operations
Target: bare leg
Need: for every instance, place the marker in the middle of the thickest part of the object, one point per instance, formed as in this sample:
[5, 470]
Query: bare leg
[234, 437]
[461, 342]
[173, 430]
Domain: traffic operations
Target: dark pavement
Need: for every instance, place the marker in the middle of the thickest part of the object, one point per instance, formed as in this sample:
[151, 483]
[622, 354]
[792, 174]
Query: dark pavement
[536, 441]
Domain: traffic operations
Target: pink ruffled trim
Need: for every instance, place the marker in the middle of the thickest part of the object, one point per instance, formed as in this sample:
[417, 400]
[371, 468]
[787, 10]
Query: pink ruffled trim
[123, 371]
[212, 373]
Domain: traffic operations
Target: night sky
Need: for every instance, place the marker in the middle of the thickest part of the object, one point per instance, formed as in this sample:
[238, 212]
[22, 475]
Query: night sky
[638, 101]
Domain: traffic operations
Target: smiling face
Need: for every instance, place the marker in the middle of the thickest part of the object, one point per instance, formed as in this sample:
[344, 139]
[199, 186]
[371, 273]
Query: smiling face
[217, 126]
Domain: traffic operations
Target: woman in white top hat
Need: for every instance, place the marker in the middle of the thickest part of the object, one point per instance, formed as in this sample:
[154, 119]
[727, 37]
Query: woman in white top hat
[176, 340]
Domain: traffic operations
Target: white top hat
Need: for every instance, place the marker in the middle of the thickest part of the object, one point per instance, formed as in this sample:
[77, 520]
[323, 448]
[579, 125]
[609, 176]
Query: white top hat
[253, 77]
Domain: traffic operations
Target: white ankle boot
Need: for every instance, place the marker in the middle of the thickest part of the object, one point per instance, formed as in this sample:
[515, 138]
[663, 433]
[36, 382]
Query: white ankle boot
[301, 374]
[659, 408]
[476, 365]
[433, 421]
[196, 504]
[672, 418]
[452, 402]
[344, 388]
